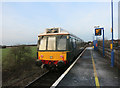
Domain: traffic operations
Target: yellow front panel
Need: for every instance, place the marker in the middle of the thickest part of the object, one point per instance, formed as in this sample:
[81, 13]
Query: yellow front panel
[54, 55]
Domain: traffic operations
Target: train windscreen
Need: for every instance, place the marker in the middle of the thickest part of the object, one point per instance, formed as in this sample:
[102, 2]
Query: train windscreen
[42, 43]
[52, 43]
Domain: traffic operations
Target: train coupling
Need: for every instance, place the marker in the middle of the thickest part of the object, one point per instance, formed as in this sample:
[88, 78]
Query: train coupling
[60, 64]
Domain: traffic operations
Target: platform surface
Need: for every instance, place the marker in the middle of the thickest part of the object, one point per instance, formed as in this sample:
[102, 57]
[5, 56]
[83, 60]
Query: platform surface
[84, 72]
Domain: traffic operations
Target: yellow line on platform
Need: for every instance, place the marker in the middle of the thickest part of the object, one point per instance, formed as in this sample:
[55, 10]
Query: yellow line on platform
[95, 73]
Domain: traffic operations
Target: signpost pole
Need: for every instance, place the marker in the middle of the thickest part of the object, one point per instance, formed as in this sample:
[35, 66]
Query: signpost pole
[112, 53]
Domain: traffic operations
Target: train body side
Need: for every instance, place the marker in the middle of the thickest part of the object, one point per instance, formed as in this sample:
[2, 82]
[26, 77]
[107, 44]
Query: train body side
[60, 58]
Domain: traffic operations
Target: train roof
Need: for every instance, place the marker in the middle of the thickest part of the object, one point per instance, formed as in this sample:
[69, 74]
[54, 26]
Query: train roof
[56, 31]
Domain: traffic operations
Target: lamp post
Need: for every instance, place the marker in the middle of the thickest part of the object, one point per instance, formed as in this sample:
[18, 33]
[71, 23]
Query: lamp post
[112, 53]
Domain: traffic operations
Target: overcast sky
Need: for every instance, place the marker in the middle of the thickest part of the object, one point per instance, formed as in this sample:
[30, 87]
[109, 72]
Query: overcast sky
[119, 20]
[23, 21]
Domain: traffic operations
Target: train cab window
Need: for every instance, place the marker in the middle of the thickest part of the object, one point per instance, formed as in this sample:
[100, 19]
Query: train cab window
[51, 43]
[71, 44]
[61, 42]
[42, 43]
[74, 43]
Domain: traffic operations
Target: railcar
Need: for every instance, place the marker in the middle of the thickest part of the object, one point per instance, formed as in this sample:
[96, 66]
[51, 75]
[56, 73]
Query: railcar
[57, 48]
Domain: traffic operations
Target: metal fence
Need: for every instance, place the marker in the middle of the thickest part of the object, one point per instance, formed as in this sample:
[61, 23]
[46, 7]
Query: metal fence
[108, 54]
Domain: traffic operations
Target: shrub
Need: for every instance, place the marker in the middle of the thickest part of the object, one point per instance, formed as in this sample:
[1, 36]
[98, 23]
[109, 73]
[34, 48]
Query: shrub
[19, 58]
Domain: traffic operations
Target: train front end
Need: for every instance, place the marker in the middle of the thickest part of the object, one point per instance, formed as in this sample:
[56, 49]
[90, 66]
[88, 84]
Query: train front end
[52, 50]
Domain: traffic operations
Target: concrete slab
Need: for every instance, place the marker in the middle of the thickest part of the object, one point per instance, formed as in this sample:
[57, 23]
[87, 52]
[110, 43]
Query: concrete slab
[82, 73]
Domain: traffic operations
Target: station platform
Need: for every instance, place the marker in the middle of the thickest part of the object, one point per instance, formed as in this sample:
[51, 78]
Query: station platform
[93, 70]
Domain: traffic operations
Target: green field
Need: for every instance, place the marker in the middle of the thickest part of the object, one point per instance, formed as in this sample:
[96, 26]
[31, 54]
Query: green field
[7, 50]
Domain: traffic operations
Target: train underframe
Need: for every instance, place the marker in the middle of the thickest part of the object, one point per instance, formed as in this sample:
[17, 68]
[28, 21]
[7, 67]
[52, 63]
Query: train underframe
[51, 64]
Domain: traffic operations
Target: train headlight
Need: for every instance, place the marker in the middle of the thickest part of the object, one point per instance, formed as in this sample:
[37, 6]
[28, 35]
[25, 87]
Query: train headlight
[41, 56]
[61, 56]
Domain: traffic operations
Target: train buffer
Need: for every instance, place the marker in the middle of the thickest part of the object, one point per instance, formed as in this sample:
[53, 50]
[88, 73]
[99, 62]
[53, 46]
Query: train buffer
[91, 69]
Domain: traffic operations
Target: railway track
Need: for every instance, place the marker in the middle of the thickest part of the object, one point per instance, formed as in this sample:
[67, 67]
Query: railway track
[46, 80]
[51, 78]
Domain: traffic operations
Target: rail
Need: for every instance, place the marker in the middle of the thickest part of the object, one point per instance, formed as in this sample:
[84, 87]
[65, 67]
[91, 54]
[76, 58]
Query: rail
[36, 79]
